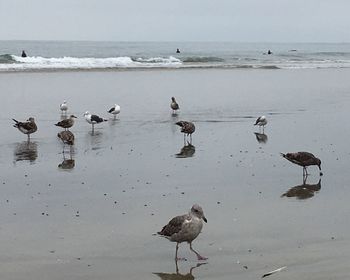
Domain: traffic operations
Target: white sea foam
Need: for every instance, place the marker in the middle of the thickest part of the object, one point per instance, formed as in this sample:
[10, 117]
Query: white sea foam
[37, 62]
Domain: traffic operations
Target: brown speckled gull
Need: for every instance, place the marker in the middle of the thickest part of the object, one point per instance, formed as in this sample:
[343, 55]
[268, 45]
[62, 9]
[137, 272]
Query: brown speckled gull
[185, 228]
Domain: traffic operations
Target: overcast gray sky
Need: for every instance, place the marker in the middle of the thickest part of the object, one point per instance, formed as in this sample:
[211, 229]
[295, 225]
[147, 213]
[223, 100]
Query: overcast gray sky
[177, 20]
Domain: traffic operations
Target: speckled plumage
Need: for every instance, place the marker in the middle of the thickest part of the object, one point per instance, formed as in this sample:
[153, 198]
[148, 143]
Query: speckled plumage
[303, 159]
[27, 127]
[185, 228]
[67, 123]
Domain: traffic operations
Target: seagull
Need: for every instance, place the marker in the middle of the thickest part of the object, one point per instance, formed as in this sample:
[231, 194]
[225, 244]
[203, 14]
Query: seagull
[174, 105]
[93, 119]
[115, 110]
[64, 107]
[261, 122]
[185, 228]
[67, 137]
[67, 123]
[27, 127]
[187, 128]
[303, 159]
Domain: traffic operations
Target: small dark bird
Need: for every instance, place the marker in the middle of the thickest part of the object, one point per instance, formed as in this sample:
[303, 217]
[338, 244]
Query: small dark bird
[27, 127]
[261, 122]
[185, 228]
[173, 105]
[187, 128]
[67, 123]
[303, 159]
[67, 137]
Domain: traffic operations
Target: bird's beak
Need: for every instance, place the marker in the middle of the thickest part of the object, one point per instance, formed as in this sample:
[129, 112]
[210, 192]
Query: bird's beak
[205, 219]
[74, 117]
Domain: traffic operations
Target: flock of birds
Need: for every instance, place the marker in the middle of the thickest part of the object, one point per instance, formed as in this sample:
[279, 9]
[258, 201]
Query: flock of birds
[187, 227]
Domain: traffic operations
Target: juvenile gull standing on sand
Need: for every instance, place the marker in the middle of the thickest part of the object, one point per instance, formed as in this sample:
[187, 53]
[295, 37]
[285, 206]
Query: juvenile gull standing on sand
[185, 228]
[27, 127]
[93, 119]
[261, 122]
[115, 110]
[67, 123]
[303, 159]
[173, 105]
[64, 107]
[187, 128]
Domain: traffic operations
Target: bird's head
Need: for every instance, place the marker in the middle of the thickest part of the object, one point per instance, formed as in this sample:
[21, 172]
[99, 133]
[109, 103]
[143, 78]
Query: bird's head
[86, 113]
[173, 99]
[72, 116]
[197, 211]
[31, 119]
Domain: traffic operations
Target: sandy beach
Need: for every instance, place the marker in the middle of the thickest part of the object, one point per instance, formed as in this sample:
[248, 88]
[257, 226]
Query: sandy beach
[95, 218]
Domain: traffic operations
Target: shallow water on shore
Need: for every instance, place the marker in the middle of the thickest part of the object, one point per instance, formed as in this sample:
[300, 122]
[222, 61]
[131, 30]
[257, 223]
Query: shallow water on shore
[91, 212]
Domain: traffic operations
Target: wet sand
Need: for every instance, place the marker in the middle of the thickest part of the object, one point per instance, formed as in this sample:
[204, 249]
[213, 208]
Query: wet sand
[94, 218]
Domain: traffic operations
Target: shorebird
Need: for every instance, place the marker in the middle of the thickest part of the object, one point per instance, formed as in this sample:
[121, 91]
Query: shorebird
[185, 228]
[67, 123]
[187, 128]
[27, 127]
[64, 107]
[173, 105]
[303, 159]
[66, 136]
[115, 110]
[93, 119]
[261, 122]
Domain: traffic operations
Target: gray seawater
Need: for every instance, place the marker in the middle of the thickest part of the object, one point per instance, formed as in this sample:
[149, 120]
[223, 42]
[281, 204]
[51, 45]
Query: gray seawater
[68, 55]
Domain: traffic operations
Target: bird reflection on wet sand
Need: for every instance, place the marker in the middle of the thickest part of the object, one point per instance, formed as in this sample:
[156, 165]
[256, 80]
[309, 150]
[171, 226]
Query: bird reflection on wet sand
[186, 151]
[67, 163]
[177, 275]
[303, 191]
[261, 137]
[26, 151]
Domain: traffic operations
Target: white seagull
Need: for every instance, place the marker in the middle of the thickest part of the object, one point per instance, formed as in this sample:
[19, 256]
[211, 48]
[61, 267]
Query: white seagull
[261, 122]
[64, 107]
[93, 119]
[115, 110]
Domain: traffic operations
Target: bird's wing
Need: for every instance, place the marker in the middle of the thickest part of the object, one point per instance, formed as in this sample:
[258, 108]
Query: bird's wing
[63, 122]
[96, 118]
[257, 120]
[174, 226]
[27, 125]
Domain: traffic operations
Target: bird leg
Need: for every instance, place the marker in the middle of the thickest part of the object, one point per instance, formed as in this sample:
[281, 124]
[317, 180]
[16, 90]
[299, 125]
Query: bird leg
[199, 257]
[176, 258]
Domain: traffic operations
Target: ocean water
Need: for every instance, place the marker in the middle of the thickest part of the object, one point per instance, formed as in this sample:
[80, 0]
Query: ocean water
[65, 55]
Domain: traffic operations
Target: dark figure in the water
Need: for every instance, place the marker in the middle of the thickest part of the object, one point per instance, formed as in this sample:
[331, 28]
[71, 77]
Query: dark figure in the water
[269, 52]
[24, 54]
[177, 51]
